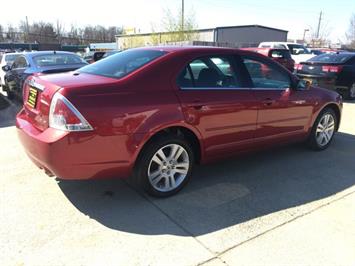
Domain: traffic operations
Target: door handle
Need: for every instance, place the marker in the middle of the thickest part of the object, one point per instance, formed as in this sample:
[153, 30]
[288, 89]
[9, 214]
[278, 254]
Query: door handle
[268, 102]
[197, 105]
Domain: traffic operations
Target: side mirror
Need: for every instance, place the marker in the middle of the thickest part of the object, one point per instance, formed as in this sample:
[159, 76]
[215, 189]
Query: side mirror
[303, 85]
[6, 68]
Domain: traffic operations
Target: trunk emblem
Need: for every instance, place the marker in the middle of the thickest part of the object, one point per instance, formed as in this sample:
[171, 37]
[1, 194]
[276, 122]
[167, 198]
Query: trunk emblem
[311, 67]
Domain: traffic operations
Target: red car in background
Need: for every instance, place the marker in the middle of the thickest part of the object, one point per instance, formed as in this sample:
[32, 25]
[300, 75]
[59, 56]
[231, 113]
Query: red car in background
[282, 56]
[152, 113]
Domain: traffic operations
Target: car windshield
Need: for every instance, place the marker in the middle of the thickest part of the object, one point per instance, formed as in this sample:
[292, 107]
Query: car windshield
[9, 58]
[57, 59]
[121, 64]
[296, 49]
[331, 58]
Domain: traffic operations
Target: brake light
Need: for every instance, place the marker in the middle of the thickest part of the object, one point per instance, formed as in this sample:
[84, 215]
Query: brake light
[298, 66]
[64, 116]
[332, 69]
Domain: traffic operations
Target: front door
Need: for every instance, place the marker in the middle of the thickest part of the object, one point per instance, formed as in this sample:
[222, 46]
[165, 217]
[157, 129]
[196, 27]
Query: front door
[282, 111]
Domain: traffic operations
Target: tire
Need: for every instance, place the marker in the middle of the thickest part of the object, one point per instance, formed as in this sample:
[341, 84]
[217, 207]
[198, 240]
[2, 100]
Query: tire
[350, 92]
[10, 95]
[323, 130]
[169, 176]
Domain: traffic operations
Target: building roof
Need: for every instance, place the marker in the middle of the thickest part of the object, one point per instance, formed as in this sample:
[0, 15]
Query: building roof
[202, 30]
[251, 26]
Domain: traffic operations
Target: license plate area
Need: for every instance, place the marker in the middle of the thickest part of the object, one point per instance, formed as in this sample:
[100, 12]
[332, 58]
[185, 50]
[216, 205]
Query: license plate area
[32, 97]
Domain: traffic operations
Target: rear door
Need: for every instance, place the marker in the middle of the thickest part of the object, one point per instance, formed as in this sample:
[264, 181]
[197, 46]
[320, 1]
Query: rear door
[216, 100]
[282, 111]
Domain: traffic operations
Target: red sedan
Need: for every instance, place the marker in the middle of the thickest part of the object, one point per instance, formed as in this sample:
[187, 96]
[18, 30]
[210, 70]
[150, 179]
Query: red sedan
[152, 113]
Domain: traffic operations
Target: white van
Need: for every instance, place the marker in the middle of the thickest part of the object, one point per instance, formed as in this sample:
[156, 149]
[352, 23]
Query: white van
[298, 52]
[6, 59]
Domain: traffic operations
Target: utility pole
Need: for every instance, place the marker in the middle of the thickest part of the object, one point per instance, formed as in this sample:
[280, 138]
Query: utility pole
[319, 23]
[304, 35]
[182, 14]
[28, 34]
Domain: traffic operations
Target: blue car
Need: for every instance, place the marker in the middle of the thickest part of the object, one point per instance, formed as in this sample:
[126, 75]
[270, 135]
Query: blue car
[44, 62]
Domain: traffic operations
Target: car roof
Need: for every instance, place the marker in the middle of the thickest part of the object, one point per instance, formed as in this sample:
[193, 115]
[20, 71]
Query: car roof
[191, 48]
[5, 54]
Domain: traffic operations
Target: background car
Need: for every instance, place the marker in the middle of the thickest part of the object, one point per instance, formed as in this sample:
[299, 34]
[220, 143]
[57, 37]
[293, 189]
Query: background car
[109, 53]
[6, 59]
[92, 57]
[282, 56]
[334, 71]
[298, 52]
[152, 113]
[45, 62]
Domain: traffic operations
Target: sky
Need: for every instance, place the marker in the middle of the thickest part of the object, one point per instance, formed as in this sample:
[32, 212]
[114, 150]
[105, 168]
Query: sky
[294, 16]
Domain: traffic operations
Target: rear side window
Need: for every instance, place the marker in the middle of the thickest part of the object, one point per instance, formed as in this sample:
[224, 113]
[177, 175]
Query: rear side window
[209, 72]
[121, 64]
[264, 75]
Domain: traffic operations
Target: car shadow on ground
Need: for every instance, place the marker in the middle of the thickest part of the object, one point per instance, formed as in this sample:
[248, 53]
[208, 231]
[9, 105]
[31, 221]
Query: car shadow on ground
[223, 194]
[8, 111]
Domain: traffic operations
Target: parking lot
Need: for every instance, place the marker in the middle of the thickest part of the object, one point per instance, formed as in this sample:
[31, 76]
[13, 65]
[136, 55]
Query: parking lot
[289, 206]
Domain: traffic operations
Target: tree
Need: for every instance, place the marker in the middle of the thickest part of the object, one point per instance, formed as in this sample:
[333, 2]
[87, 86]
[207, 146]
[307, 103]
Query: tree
[350, 34]
[1, 33]
[176, 28]
[322, 39]
[12, 33]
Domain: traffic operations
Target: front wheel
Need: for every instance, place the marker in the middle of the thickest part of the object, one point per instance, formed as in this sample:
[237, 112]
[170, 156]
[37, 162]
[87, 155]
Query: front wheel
[165, 166]
[323, 130]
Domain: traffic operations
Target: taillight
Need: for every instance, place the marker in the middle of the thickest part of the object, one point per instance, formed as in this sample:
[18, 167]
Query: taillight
[332, 69]
[64, 116]
[298, 66]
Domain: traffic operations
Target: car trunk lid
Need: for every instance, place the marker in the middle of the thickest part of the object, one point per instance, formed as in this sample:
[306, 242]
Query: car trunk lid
[39, 90]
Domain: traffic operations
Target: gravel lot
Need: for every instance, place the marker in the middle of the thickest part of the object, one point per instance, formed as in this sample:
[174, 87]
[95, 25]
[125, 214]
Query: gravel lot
[289, 206]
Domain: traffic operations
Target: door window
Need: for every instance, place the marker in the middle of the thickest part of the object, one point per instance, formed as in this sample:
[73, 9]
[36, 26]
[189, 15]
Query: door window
[265, 75]
[209, 73]
[20, 62]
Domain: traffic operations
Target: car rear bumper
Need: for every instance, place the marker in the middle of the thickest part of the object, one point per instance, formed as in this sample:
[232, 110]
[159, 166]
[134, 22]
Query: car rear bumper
[74, 155]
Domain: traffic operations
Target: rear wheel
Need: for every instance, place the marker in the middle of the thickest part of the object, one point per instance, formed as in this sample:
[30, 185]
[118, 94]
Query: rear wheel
[323, 130]
[350, 93]
[165, 166]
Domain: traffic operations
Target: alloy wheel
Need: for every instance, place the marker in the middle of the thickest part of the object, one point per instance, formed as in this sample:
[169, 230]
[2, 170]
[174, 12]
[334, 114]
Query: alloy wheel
[168, 167]
[325, 129]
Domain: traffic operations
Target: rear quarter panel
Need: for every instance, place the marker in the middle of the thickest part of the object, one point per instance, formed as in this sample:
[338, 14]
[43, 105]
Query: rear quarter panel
[137, 106]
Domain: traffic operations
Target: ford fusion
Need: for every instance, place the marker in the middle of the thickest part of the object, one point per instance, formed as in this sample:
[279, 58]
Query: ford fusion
[152, 113]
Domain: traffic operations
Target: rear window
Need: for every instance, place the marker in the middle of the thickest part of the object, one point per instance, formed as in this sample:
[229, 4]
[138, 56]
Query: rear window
[9, 58]
[121, 64]
[331, 58]
[296, 49]
[57, 59]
